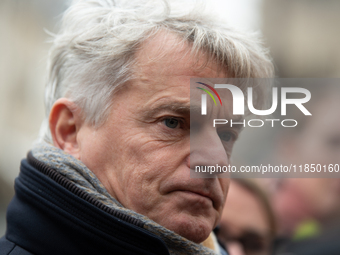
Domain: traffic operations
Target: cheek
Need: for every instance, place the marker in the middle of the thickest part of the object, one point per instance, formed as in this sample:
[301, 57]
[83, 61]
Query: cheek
[317, 195]
[142, 181]
[224, 183]
[141, 163]
[95, 150]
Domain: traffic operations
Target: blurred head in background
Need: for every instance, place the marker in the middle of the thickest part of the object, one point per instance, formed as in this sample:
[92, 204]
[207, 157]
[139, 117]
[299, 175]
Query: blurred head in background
[247, 225]
[315, 141]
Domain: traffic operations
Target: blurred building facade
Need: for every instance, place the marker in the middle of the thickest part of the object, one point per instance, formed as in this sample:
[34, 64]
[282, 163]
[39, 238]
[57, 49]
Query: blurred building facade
[23, 51]
[303, 36]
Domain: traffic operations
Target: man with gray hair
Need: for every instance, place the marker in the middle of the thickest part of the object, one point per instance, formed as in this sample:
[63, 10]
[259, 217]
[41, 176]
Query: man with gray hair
[110, 175]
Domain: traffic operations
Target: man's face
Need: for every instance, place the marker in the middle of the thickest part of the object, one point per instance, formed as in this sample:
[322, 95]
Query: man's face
[142, 152]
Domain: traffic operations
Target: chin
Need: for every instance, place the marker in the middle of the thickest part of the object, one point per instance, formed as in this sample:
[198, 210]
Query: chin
[193, 228]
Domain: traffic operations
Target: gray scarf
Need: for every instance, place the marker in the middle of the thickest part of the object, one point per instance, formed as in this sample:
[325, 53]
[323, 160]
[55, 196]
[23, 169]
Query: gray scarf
[75, 171]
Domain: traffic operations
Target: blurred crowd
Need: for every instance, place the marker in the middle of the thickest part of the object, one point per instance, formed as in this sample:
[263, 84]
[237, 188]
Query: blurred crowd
[291, 215]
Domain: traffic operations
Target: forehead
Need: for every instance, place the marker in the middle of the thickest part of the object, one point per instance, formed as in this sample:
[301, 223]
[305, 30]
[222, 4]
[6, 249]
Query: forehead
[163, 68]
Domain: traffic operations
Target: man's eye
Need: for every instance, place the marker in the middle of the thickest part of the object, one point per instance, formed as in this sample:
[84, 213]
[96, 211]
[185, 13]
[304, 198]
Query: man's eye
[171, 122]
[226, 136]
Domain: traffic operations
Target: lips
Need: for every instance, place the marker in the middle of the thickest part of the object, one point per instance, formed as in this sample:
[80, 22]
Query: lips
[206, 188]
[199, 194]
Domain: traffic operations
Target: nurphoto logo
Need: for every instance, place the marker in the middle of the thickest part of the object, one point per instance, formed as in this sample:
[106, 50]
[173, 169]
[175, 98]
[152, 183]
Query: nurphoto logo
[239, 104]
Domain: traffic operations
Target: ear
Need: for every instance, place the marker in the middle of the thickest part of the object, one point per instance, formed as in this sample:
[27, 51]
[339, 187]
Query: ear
[65, 121]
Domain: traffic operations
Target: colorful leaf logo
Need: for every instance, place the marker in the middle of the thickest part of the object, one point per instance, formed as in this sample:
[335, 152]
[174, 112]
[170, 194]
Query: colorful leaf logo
[209, 93]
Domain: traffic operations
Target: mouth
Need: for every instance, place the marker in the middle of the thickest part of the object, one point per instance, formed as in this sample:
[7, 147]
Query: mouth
[204, 191]
[198, 195]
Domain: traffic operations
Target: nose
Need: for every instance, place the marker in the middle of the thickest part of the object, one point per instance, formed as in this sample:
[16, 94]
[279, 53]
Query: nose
[206, 149]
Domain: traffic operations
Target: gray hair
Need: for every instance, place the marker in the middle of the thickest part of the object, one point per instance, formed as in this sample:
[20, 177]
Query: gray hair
[93, 53]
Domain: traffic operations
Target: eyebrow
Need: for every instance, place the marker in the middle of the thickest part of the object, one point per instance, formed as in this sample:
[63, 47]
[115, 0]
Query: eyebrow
[177, 107]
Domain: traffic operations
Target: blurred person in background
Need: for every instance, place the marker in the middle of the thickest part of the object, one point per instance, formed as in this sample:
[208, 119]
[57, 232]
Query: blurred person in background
[308, 209]
[247, 224]
[111, 173]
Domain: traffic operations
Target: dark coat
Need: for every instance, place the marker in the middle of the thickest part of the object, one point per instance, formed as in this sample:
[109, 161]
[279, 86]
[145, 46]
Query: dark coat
[50, 215]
